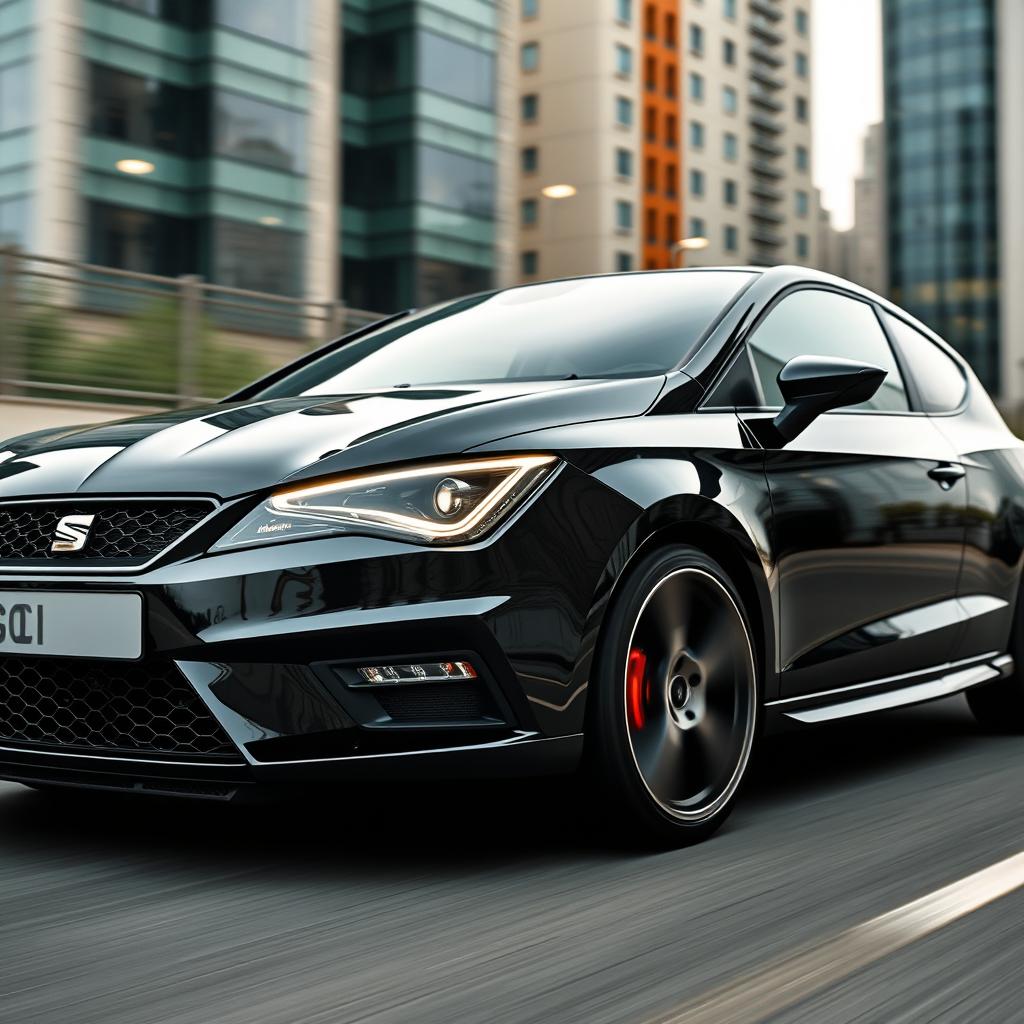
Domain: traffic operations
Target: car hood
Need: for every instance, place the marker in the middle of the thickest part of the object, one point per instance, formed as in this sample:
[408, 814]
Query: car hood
[237, 448]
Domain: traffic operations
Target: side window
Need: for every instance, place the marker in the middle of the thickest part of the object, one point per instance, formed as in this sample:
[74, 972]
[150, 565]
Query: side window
[940, 382]
[819, 323]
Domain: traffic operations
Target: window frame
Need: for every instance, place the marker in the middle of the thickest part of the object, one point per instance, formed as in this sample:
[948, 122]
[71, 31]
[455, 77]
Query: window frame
[741, 347]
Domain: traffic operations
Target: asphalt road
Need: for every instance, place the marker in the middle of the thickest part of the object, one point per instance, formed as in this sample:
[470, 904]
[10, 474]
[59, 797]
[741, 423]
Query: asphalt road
[497, 903]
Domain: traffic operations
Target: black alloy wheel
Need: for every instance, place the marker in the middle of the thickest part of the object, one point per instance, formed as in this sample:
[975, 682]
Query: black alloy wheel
[676, 702]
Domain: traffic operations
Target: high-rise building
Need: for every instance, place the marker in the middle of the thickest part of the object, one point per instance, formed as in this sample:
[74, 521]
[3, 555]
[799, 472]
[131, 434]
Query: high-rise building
[318, 148]
[869, 237]
[954, 107]
[645, 123]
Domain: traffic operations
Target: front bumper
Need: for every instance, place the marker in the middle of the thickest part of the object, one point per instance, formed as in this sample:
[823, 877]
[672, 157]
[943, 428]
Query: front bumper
[267, 637]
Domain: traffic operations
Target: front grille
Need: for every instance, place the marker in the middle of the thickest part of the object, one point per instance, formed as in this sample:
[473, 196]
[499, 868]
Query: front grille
[122, 533]
[116, 707]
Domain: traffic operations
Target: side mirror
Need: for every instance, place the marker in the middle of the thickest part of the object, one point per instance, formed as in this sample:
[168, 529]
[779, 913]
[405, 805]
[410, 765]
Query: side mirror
[811, 385]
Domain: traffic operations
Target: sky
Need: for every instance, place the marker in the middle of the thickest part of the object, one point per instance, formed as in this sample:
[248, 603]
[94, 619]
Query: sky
[847, 81]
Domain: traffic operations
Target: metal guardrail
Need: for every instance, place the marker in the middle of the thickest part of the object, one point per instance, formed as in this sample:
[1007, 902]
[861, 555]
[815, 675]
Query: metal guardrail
[75, 330]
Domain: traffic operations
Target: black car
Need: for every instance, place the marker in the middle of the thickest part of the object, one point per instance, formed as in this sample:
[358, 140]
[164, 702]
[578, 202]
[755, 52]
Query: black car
[618, 524]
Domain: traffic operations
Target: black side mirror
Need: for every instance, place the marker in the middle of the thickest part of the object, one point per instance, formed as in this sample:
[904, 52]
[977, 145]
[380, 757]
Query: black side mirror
[812, 385]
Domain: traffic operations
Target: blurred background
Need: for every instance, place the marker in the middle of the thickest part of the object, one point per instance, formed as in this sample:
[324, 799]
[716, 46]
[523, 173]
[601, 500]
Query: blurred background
[194, 191]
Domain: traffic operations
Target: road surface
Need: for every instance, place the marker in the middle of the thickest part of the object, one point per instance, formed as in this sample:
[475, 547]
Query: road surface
[496, 904]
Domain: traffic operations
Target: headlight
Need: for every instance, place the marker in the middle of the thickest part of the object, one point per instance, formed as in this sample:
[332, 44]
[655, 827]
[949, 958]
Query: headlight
[447, 503]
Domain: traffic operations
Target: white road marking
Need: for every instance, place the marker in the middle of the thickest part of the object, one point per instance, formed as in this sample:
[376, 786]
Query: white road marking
[791, 979]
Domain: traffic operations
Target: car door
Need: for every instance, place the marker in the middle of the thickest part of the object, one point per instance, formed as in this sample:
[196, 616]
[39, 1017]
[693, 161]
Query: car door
[867, 509]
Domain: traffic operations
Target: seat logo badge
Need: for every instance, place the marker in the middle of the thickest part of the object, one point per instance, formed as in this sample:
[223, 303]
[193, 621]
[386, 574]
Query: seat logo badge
[71, 534]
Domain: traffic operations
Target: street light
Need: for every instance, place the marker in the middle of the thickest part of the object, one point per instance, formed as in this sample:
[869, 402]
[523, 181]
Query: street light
[685, 245]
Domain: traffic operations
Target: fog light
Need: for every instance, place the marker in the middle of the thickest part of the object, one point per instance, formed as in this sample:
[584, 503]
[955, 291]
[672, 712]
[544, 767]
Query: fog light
[427, 672]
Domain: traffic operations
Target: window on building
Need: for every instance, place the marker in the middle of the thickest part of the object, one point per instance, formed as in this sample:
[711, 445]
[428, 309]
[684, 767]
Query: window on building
[16, 96]
[803, 203]
[529, 159]
[623, 215]
[132, 108]
[624, 11]
[803, 158]
[529, 56]
[672, 180]
[623, 262]
[528, 212]
[729, 52]
[257, 132]
[455, 181]
[256, 258]
[624, 111]
[730, 146]
[651, 123]
[730, 192]
[698, 228]
[696, 86]
[454, 69]
[671, 81]
[651, 175]
[529, 106]
[801, 108]
[801, 65]
[794, 327]
[528, 263]
[15, 222]
[623, 60]
[671, 131]
[531, 8]
[696, 35]
[729, 99]
[671, 229]
[150, 243]
[286, 24]
[729, 8]
[651, 226]
[731, 238]
[802, 21]
[651, 21]
[671, 30]
[696, 182]
[651, 74]
[803, 246]
[623, 163]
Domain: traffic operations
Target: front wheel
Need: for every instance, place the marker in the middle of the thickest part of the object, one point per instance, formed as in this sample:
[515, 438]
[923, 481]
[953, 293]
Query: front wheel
[676, 701]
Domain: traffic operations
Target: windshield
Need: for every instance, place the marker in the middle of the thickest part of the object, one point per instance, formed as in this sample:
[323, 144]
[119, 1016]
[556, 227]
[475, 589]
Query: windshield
[630, 325]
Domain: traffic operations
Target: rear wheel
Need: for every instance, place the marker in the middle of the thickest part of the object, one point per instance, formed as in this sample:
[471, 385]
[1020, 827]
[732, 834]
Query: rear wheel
[676, 701]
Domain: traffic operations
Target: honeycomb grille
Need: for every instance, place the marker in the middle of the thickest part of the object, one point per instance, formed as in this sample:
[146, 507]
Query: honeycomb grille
[127, 534]
[120, 707]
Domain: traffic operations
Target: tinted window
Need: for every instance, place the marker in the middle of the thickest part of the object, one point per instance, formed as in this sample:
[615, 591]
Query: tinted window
[145, 111]
[588, 327]
[455, 69]
[940, 382]
[283, 23]
[456, 181]
[817, 323]
[259, 133]
[258, 258]
[15, 97]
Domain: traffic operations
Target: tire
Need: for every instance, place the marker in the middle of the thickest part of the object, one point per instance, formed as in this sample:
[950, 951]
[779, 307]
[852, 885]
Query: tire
[675, 706]
[999, 707]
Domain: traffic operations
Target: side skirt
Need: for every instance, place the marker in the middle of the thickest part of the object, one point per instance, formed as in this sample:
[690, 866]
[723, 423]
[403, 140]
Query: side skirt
[893, 691]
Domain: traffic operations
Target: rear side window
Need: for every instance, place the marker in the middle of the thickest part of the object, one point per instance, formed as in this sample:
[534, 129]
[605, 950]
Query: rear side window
[818, 323]
[940, 382]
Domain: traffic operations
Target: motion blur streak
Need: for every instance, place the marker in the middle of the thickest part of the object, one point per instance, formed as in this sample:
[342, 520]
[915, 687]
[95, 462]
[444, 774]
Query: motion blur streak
[789, 980]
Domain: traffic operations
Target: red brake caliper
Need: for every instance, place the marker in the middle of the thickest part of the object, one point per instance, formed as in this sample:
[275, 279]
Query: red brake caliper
[635, 686]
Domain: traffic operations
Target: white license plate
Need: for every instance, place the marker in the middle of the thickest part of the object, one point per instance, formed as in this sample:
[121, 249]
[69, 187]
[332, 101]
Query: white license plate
[71, 625]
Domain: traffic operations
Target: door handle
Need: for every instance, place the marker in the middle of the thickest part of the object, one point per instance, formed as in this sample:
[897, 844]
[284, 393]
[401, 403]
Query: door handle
[947, 475]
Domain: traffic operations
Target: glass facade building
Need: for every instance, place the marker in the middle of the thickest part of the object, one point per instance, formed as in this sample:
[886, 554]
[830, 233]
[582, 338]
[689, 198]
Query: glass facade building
[215, 98]
[942, 161]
